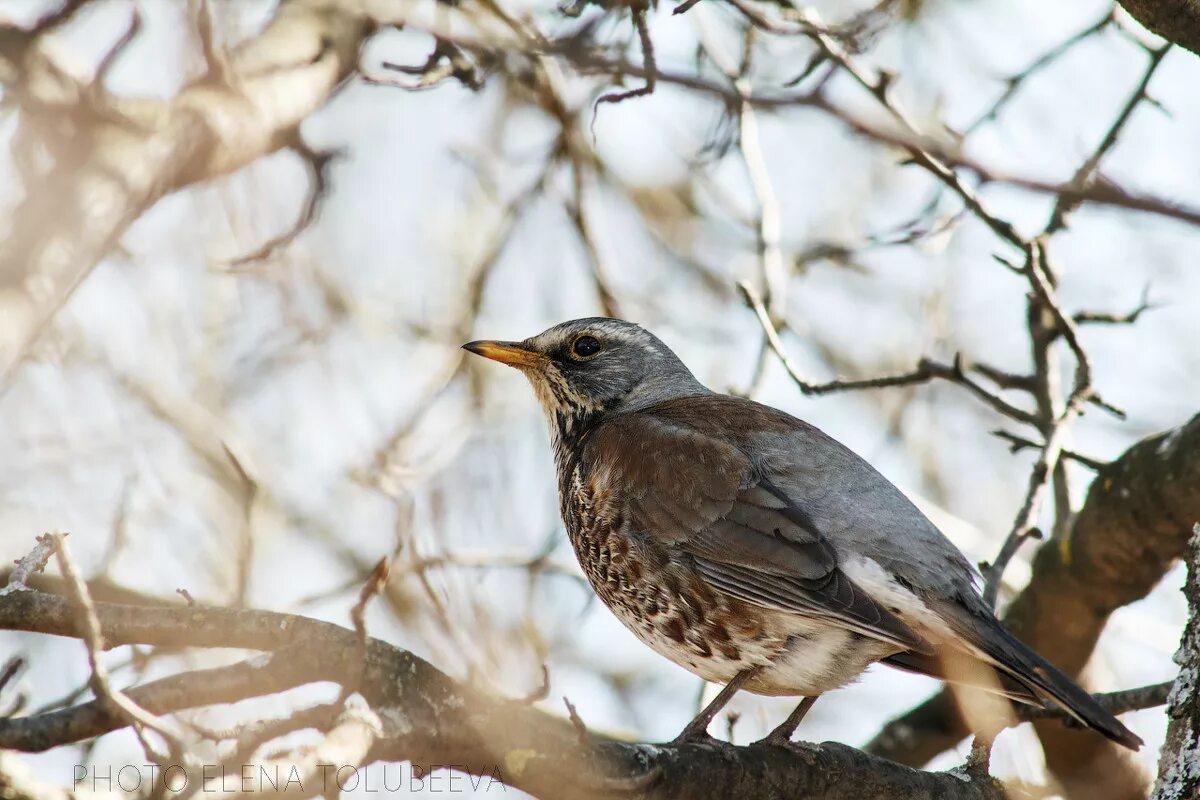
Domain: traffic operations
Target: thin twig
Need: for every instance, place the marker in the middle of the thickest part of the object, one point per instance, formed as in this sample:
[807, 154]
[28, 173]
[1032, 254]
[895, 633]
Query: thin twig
[11, 667]
[540, 693]
[1023, 528]
[1083, 176]
[649, 66]
[925, 370]
[878, 84]
[30, 564]
[86, 618]
[1014, 82]
[110, 57]
[1039, 278]
[358, 616]
[1019, 443]
[318, 163]
[1115, 703]
[581, 730]
[1112, 318]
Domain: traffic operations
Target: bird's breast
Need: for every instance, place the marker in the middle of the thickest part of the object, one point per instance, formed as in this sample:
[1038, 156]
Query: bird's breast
[662, 601]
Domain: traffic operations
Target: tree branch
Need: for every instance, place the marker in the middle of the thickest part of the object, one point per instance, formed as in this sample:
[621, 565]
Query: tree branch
[1132, 528]
[428, 718]
[135, 152]
[1177, 21]
[1178, 775]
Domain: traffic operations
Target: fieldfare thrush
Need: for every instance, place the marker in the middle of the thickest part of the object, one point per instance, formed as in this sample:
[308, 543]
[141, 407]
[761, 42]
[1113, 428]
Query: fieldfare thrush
[751, 548]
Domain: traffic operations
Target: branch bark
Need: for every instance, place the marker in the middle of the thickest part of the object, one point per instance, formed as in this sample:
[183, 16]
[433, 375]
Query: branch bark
[430, 719]
[1177, 21]
[1134, 525]
[1179, 767]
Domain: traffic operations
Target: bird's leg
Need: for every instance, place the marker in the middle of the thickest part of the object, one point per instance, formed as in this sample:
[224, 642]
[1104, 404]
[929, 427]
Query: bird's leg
[697, 729]
[783, 733]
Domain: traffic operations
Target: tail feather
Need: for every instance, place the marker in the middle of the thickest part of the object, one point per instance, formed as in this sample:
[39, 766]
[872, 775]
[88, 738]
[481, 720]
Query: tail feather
[935, 667]
[1022, 675]
[1043, 679]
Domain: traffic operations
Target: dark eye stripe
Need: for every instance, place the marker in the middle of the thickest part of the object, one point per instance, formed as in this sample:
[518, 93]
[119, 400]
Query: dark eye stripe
[585, 346]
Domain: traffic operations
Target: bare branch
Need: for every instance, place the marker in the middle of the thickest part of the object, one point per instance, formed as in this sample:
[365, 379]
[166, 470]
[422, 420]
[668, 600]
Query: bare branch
[30, 564]
[1110, 318]
[1019, 443]
[306, 52]
[430, 719]
[445, 62]
[106, 694]
[650, 68]
[358, 615]
[1013, 83]
[1116, 703]
[1083, 175]
[318, 163]
[1178, 777]
[925, 371]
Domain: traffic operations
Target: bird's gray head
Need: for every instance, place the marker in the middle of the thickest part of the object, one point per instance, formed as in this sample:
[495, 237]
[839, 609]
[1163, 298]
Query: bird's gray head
[586, 369]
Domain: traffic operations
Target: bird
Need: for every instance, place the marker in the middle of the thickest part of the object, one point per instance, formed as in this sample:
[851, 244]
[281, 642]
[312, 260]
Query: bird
[750, 547]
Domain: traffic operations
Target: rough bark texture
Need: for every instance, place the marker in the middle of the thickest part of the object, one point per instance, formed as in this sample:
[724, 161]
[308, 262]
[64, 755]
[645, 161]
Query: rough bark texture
[1179, 766]
[1177, 21]
[1134, 525]
[430, 719]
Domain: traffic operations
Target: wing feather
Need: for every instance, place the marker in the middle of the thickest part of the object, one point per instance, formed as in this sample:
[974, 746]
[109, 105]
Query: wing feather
[740, 533]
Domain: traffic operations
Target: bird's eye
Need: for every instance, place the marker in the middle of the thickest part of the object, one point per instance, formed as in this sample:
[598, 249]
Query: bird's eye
[585, 347]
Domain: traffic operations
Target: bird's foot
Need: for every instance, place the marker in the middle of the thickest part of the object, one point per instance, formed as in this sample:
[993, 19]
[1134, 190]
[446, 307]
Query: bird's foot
[781, 735]
[695, 732]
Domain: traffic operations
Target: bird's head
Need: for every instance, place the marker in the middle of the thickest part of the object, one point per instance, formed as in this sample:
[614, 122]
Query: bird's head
[585, 369]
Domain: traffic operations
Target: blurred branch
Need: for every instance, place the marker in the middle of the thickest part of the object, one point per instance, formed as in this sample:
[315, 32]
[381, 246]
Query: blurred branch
[16, 44]
[446, 61]
[1084, 174]
[111, 699]
[127, 154]
[1014, 82]
[1132, 528]
[1118, 703]
[936, 156]
[638, 8]
[30, 564]
[317, 163]
[583, 228]
[427, 718]
[1019, 443]
[1111, 318]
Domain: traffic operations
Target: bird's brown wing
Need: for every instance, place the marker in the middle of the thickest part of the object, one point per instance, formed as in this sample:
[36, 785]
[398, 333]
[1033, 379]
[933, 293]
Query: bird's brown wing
[700, 498]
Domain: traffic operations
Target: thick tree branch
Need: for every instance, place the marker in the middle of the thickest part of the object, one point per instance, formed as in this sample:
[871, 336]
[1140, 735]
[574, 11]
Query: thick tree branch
[1132, 528]
[1177, 21]
[428, 718]
[1179, 767]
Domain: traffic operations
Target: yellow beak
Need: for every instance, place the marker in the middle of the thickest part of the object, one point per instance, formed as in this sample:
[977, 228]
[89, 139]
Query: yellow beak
[510, 353]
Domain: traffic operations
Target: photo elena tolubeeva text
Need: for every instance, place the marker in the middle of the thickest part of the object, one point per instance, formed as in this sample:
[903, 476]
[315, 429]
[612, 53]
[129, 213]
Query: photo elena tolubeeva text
[311, 779]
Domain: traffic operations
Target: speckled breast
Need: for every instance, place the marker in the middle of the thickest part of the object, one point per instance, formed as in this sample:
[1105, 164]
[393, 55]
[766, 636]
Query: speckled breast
[663, 602]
